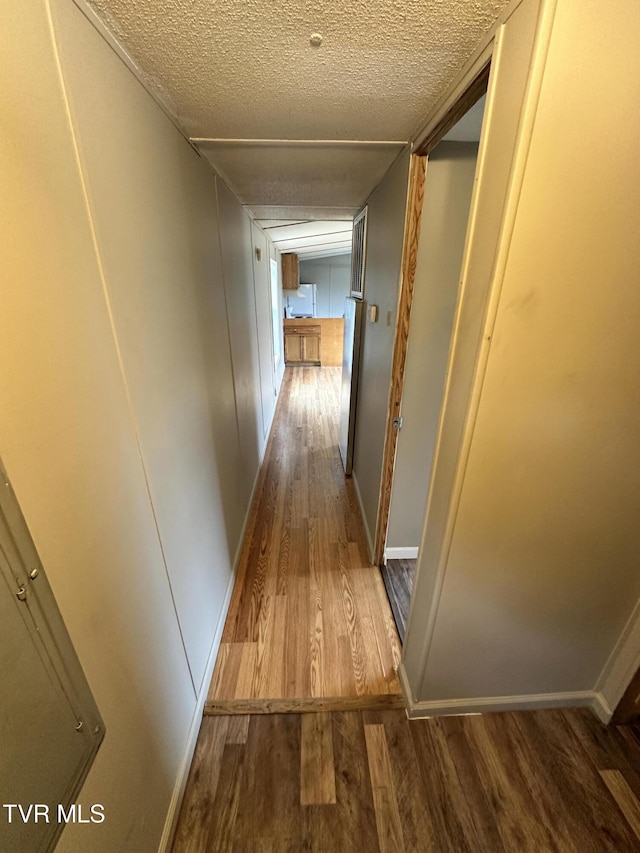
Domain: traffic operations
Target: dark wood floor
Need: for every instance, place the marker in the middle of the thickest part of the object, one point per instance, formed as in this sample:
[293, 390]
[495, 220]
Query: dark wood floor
[375, 781]
[398, 577]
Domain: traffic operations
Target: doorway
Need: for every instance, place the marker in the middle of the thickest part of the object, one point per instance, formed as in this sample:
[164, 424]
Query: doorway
[450, 179]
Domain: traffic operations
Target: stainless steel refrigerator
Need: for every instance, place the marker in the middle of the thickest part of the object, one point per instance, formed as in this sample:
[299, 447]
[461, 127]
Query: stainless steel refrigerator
[350, 367]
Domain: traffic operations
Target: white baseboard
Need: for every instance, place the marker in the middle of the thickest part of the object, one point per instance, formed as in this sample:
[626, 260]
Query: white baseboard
[622, 664]
[181, 782]
[400, 554]
[601, 708]
[486, 704]
[363, 516]
[178, 792]
[409, 700]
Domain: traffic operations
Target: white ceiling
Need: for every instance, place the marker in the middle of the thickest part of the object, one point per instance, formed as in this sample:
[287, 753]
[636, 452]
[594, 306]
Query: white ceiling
[290, 173]
[310, 240]
[238, 71]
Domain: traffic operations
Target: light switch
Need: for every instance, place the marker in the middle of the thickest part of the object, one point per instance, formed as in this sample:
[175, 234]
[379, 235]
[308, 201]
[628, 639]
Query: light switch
[373, 313]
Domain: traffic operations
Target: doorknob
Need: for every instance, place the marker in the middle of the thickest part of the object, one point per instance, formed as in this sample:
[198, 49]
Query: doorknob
[21, 594]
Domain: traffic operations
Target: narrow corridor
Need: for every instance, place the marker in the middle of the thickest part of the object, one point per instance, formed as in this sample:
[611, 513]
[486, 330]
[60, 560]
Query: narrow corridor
[309, 622]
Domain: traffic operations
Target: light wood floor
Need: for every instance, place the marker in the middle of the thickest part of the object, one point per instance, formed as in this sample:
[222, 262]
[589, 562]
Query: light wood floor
[309, 625]
[362, 782]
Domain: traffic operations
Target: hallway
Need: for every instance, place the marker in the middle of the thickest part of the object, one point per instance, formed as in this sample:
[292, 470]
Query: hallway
[309, 624]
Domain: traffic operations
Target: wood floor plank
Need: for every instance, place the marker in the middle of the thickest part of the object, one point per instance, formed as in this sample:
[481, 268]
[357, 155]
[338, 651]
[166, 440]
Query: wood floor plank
[354, 826]
[270, 804]
[305, 543]
[563, 778]
[297, 663]
[316, 642]
[224, 811]
[500, 783]
[606, 746]
[446, 803]
[388, 823]
[195, 816]
[317, 771]
[246, 672]
[559, 737]
[542, 790]
[417, 829]
[376, 681]
[519, 827]
[352, 628]
[254, 845]
[276, 658]
[624, 797]
[226, 671]
[238, 728]
[467, 796]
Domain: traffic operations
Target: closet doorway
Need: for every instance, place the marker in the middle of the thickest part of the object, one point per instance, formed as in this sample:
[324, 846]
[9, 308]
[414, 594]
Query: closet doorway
[449, 183]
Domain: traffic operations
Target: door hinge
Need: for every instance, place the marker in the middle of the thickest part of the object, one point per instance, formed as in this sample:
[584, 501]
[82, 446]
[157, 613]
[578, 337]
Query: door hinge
[397, 422]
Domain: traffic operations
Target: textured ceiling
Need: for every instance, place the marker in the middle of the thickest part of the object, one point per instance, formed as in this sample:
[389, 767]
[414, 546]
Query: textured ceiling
[245, 69]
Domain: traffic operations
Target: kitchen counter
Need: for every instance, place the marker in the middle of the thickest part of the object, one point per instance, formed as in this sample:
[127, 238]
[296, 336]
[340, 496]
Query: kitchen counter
[331, 333]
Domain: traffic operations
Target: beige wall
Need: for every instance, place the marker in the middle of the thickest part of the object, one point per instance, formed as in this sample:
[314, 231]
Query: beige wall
[385, 229]
[154, 212]
[541, 575]
[445, 214]
[120, 429]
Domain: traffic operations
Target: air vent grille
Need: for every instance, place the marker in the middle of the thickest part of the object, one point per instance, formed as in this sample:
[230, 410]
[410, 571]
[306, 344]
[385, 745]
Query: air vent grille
[358, 254]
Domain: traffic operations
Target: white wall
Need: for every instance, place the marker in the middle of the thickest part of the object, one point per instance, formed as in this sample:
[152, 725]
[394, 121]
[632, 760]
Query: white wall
[275, 255]
[332, 277]
[445, 214]
[120, 429]
[385, 229]
[237, 264]
[541, 574]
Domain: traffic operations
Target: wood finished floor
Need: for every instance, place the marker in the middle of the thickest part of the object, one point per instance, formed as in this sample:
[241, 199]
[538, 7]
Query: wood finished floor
[309, 624]
[372, 781]
[399, 577]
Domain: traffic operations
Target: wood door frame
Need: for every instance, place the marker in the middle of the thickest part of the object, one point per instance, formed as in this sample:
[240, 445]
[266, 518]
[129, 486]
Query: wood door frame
[476, 88]
[417, 172]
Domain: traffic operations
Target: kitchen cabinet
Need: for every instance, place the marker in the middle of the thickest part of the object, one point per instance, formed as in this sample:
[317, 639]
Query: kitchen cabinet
[290, 272]
[302, 344]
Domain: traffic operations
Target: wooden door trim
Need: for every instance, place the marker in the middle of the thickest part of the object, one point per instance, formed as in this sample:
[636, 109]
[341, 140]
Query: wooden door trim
[413, 218]
[471, 95]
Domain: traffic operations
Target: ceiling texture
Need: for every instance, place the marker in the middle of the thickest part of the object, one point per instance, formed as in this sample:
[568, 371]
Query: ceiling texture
[299, 131]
